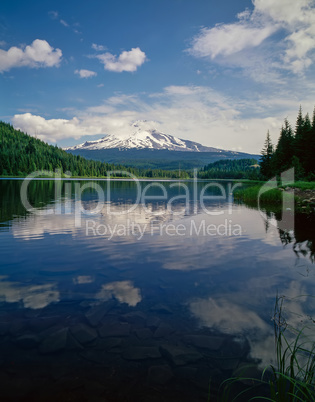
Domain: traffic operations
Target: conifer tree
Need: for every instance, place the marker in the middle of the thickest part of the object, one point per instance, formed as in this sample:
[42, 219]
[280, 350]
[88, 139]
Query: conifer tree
[266, 164]
[307, 123]
[299, 124]
[299, 141]
[285, 148]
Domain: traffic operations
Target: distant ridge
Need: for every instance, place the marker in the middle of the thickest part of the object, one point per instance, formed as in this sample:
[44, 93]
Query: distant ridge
[142, 136]
[145, 147]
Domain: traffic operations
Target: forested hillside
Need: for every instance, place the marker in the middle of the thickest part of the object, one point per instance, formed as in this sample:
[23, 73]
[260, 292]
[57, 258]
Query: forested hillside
[295, 148]
[21, 154]
[231, 169]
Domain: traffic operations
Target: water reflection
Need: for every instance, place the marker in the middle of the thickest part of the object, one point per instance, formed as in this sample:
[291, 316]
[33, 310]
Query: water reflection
[123, 291]
[159, 287]
[83, 279]
[32, 296]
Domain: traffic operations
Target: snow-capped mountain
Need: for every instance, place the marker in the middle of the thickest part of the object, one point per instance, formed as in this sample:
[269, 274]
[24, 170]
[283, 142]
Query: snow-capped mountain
[142, 136]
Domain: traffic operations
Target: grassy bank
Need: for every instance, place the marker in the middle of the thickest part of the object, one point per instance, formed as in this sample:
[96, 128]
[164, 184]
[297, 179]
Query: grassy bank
[303, 195]
[249, 195]
[303, 185]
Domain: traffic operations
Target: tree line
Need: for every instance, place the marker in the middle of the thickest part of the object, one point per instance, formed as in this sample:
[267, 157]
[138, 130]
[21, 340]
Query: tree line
[295, 148]
[22, 154]
[231, 169]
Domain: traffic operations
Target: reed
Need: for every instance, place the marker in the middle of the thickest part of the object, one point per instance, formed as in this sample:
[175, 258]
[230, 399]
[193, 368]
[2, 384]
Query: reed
[292, 379]
[249, 195]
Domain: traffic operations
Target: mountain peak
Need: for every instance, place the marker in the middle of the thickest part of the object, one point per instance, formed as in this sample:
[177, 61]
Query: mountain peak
[143, 135]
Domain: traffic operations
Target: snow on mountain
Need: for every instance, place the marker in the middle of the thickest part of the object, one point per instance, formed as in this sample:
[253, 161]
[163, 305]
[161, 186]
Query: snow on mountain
[143, 136]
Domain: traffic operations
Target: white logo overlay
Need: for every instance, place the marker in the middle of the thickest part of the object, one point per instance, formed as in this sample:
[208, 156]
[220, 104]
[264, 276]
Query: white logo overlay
[179, 215]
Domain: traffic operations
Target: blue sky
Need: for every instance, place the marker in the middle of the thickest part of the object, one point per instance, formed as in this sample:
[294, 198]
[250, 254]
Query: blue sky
[220, 73]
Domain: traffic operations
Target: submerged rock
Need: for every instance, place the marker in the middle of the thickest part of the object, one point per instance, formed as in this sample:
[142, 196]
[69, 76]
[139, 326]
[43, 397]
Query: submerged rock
[141, 353]
[227, 363]
[55, 342]
[72, 343]
[204, 341]
[95, 314]
[108, 343]
[83, 333]
[18, 326]
[153, 322]
[94, 356]
[160, 375]
[143, 333]
[4, 328]
[180, 356]
[115, 329]
[163, 330]
[27, 341]
[186, 372]
[161, 308]
[136, 318]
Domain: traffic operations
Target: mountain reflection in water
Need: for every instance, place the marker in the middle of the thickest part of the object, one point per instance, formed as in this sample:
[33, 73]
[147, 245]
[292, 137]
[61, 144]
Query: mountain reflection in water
[82, 313]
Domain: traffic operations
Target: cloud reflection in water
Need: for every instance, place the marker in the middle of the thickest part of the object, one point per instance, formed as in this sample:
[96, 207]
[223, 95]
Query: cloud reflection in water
[123, 291]
[33, 296]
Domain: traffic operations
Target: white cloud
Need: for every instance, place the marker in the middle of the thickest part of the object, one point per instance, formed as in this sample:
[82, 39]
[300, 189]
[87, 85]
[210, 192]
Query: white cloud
[85, 73]
[49, 130]
[64, 23]
[54, 14]
[191, 112]
[98, 48]
[228, 39]
[38, 54]
[294, 21]
[286, 11]
[126, 61]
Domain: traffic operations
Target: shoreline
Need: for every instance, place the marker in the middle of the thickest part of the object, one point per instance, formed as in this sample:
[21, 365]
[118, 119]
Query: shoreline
[127, 179]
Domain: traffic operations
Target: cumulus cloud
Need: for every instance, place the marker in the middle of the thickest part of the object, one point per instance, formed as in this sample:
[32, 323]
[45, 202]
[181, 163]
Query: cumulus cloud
[191, 112]
[294, 21]
[85, 73]
[38, 54]
[126, 61]
[49, 130]
[183, 111]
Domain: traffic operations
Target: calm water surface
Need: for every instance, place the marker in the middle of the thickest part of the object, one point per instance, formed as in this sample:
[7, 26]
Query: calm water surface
[145, 305]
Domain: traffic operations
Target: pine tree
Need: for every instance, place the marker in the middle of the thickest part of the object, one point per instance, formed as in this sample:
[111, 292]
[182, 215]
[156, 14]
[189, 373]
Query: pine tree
[299, 124]
[285, 148]
[299, 141]
[308, 161]
[266, 163]
[307, 123]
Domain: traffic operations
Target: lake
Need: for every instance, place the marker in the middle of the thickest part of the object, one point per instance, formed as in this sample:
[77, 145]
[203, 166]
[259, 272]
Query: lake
[146, 296]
